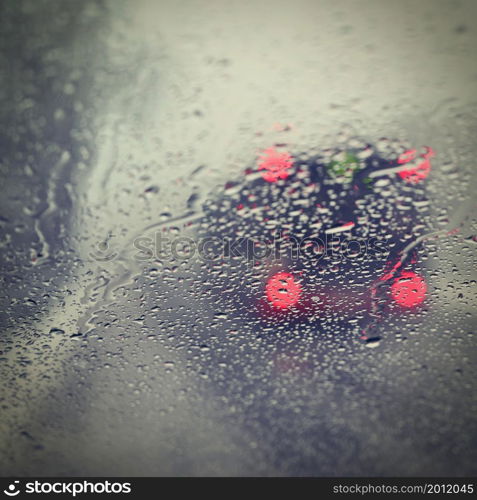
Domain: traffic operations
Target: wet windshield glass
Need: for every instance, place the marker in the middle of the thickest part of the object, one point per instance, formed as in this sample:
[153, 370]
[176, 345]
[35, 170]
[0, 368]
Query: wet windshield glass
[238, 240]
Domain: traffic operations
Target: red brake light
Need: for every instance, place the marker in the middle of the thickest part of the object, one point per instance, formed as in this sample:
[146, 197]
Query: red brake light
[409, 289]
[282, 290]
[274, 164]
[416, 174]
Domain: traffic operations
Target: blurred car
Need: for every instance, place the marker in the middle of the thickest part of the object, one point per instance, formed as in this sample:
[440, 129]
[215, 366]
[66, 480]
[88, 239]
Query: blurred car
[302, 222]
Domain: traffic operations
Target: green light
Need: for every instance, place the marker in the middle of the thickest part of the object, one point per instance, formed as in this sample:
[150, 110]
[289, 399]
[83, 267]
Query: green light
[344, 168]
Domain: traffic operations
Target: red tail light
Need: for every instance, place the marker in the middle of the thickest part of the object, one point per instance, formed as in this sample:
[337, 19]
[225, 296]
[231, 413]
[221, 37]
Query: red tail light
[409, 289]
[282, 290]
[421, 171]
[274, 164]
